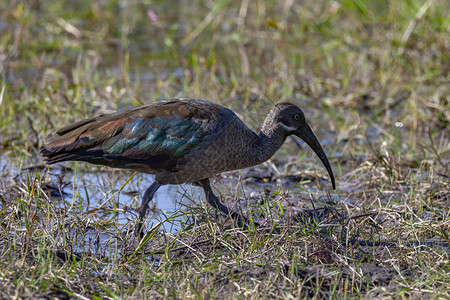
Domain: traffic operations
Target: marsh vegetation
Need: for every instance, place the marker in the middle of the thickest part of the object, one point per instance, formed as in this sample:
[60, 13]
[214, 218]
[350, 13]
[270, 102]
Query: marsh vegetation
[372, 78]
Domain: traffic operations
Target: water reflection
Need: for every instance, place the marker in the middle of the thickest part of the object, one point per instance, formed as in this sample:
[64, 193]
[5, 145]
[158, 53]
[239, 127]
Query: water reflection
[104, 193]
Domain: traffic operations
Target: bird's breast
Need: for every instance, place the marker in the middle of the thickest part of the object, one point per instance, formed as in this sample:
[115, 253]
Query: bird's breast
[227, 150]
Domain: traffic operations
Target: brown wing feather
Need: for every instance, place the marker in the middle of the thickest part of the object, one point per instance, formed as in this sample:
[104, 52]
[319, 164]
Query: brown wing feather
[86, 139]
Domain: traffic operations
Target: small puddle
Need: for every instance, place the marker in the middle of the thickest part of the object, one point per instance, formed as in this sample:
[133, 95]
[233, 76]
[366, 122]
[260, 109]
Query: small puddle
[104, 193]
[91, 199]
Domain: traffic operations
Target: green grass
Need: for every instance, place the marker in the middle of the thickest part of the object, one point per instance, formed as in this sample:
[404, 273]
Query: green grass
[372, 78]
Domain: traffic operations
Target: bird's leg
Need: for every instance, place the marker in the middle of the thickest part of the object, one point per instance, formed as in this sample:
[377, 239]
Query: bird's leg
[215, 202]
[148, 195]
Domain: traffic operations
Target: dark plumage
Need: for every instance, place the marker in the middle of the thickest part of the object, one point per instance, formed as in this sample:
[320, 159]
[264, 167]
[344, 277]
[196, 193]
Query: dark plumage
[179, 141]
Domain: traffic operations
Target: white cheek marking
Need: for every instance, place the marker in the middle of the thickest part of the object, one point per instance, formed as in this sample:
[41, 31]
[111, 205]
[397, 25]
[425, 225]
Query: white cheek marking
[288, 128]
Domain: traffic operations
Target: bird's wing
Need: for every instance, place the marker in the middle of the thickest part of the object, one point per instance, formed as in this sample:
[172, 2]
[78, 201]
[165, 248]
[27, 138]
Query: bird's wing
[155, 136]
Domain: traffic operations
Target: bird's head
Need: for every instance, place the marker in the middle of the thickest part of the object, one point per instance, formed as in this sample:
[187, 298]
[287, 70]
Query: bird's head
[290, 119]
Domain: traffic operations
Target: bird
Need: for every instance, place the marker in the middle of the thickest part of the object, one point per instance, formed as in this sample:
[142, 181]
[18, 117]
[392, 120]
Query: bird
[180, 141]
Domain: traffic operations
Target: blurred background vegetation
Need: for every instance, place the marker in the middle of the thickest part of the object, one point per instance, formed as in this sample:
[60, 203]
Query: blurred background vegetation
[372, 77]
[386, 62]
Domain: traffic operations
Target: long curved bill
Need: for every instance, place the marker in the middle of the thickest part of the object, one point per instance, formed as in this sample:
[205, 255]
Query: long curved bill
[307, 135]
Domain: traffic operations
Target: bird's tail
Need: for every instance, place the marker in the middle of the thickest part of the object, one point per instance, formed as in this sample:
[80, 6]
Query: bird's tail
[72, 142]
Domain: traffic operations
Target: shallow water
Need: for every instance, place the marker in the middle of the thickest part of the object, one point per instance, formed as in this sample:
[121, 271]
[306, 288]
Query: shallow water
[90, 198]
[107, 188]
[102, 191]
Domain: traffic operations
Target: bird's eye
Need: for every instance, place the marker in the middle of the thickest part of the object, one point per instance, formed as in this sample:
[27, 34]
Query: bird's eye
[296, 117]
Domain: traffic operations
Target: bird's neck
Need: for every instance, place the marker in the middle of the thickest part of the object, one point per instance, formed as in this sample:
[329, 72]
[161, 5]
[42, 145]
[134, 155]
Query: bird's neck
[268, 142]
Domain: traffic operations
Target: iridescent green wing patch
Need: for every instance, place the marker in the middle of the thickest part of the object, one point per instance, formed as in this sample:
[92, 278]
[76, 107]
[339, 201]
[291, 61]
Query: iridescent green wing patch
[173, 136]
